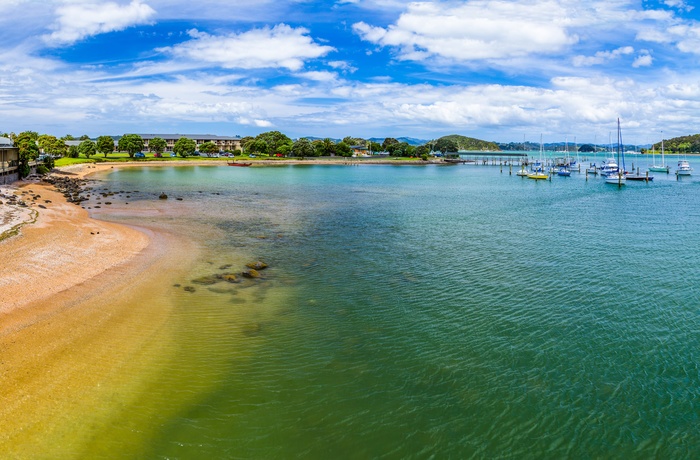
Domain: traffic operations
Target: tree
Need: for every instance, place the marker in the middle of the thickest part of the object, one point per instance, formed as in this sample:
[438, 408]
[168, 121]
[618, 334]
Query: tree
[245, 141]
[105, 145]
[422, 150]
[184, 147]
[157, 145]
[375, 146]
[387, 142]
[73, 151]
[28, 150]
[446, 145]
[274, 140]
[87, 148]
[130, 143]
[209, 148]
[257, 146]
[285, 149]
[52, 146]
[84, 137]
[68, 137]
[303, 148]
[328, 146]
[343, 149]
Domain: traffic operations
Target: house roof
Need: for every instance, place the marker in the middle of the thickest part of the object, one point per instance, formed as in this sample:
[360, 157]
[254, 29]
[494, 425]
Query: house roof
[191, 136]
[5, 142]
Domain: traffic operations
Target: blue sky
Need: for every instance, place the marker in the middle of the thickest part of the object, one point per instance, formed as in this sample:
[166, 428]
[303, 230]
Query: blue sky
[495, 70]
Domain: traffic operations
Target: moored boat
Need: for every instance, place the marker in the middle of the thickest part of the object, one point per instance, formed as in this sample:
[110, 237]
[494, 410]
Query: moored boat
[238, 163]
[618, 177]
[684, 168]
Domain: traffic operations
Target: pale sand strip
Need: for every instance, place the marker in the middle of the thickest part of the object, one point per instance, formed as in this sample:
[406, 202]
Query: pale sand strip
[62, 249]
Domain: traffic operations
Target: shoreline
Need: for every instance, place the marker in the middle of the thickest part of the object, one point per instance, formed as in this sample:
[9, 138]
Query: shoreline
[70, 335]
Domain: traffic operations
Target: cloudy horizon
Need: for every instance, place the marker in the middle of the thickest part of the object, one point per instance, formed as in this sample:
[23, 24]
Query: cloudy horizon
[496, 70]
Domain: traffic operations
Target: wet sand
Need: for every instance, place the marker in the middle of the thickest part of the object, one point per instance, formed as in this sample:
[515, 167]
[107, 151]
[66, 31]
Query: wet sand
[73, 349]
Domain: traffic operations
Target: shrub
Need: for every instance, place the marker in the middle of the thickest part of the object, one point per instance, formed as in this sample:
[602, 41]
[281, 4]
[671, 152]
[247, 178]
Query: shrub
[41, 170]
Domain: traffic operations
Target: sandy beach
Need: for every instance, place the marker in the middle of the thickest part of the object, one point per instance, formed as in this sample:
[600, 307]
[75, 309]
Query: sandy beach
[68, 329]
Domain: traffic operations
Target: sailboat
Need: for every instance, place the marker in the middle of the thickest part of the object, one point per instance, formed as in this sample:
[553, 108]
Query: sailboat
[663, 167]
[538, 172]
[618, 178]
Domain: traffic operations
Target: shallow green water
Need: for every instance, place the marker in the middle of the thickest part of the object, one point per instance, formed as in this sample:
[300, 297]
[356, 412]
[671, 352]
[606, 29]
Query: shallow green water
[411, 312]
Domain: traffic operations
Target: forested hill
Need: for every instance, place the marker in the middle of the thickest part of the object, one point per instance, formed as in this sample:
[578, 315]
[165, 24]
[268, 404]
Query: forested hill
[467, 143]
[683, 144]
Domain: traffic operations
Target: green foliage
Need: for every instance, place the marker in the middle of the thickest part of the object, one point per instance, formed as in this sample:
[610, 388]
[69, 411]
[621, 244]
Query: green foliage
[303, 148]
[285, 149]
[376, 146]
[73, 151]
[49, 162]
[184, 147]
[209, 148]
[84, 137]
[52, 146]
[446, 144]
[257, 146]
[87, 148]
[68, 137]
[682, 144]
[467, 143]
[273, 140]
[343, 149]
[245, 141]
[130, 143]
[28, 150]
[105, 145]
[422, 150]
[389, 141]
[42, 169]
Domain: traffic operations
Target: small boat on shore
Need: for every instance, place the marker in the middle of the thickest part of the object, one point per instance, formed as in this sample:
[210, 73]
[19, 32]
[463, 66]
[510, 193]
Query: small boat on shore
[238, 163]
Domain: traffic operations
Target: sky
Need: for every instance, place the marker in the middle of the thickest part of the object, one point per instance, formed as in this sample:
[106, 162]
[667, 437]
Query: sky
[495, 70]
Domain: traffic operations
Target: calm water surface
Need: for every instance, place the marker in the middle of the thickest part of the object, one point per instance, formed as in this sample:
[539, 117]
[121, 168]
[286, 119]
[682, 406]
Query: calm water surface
[417, 312]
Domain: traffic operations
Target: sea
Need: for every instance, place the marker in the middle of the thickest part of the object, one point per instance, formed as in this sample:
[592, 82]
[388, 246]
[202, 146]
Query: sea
[416, 312]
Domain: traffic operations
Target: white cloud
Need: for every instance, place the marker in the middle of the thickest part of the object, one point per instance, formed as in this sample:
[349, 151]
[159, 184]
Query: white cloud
[601, 57]
[342, 65]
[475, 30]
[319, 76]
[643, 60]
[280, 46]
[77, 20]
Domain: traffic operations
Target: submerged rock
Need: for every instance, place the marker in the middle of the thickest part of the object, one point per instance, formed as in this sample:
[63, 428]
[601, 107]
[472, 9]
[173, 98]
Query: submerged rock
[259, 265]
[252, 274]
[207, 280]
[163, 196]
[230, 278]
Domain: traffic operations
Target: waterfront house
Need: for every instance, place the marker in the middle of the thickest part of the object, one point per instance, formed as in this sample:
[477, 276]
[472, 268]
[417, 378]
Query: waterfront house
[9, 161]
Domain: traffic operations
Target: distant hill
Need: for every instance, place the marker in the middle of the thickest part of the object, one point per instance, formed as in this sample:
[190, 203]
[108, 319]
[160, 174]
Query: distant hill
[470, 143]
[409, 140]
[682, 144]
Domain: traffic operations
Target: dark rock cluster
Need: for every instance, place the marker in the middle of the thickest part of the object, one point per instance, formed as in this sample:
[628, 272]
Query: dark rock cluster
[252, 273]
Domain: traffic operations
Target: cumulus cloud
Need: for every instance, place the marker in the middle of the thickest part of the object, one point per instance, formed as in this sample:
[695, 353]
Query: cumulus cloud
[643, 60]
[474, 30]
[281, 46]
[77, 20]
[601, 57]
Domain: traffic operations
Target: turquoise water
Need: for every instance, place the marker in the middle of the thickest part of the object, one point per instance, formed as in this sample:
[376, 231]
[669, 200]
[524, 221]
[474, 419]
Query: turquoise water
[434, 311]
